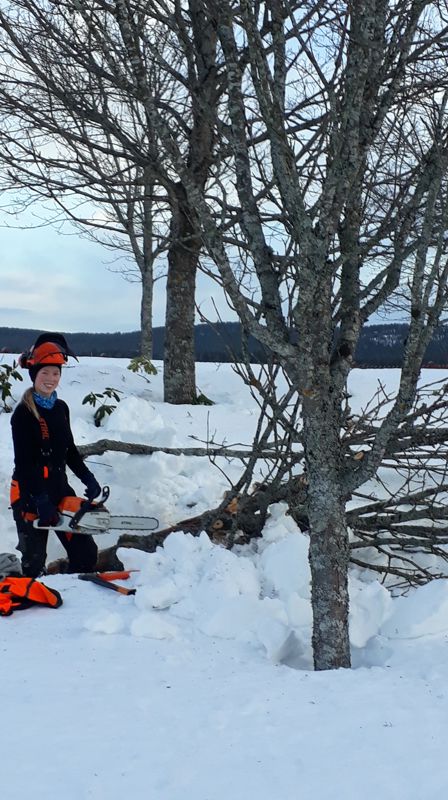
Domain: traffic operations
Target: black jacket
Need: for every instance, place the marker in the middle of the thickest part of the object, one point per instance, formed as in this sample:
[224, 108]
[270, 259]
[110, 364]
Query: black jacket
[60, 449]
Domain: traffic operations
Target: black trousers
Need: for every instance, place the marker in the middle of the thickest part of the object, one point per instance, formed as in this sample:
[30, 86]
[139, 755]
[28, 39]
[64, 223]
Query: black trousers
[81, 550]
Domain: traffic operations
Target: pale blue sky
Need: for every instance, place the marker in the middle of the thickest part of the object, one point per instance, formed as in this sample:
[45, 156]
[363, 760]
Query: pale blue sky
[54, 281]
[66, 282]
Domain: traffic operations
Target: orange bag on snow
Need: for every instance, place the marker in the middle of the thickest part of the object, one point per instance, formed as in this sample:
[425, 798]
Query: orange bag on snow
[19, 593]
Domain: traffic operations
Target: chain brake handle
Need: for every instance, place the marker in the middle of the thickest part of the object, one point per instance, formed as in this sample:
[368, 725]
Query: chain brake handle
[89, 505]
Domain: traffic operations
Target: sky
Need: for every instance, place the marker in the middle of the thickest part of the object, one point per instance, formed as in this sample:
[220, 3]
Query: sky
[201, 686]
[67, 282]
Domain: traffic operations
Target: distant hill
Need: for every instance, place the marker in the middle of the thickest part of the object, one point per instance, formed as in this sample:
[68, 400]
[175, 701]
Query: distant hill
[212, 342]
[379, 345]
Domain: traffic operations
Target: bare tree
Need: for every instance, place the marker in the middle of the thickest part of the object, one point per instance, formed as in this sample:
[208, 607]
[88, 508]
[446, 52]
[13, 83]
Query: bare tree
[336, 125]
[76, 79]
[327, 199]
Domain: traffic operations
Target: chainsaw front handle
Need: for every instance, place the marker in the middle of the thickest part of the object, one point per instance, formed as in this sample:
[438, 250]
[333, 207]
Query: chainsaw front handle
[89, 505]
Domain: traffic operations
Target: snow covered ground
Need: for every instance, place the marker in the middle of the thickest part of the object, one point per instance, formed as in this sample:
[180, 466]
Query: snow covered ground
[201, 685]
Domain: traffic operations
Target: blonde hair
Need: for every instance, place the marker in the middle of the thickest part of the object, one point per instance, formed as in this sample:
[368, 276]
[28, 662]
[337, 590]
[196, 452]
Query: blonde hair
[28, 401]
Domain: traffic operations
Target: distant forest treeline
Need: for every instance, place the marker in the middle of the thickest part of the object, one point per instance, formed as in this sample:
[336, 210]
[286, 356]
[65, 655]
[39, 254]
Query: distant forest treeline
[379, 345]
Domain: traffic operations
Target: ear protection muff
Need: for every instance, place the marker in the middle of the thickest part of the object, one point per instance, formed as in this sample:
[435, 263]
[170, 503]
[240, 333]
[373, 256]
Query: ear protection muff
[23, 359]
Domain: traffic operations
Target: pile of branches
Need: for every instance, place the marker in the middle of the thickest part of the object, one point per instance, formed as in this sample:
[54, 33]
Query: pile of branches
[398, 522]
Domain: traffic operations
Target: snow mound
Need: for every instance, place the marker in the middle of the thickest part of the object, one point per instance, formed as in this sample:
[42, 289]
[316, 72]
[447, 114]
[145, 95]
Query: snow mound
[370, 607]
[424, 612]
[105, 622]
[134, 415]
[259, 595]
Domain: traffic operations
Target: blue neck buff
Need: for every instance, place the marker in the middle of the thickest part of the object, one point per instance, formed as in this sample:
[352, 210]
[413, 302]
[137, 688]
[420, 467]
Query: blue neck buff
[45, 402]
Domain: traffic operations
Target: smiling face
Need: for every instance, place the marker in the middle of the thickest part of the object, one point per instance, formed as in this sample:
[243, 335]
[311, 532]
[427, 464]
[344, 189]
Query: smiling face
[47, 380]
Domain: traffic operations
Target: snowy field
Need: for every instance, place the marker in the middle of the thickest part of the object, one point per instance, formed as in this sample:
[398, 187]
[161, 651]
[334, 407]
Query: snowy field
[200, 687]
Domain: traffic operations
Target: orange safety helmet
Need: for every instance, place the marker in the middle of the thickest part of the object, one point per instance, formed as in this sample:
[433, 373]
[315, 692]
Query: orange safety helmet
[49, 349]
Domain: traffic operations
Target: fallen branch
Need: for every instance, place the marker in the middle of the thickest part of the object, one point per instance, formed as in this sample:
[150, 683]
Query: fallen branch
[104, 445]
[237, 519]
[216, 526]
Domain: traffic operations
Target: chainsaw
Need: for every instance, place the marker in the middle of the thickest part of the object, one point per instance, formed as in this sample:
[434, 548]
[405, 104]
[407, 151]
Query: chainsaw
[77, 515]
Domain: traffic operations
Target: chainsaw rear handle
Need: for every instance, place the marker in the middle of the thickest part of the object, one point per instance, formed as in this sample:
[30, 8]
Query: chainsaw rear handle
[89, 505]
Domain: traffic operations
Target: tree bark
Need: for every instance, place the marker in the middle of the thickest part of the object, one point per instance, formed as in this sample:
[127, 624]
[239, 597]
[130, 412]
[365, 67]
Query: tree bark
[146, 315]
[329, 557]
[329, 552]
[179, 375]
[186, 241]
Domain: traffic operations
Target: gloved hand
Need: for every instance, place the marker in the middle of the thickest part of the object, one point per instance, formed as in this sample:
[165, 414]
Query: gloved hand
[93, 489]
[47, 511]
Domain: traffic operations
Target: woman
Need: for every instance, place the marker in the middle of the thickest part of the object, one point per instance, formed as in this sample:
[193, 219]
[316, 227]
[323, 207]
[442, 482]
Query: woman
[43, 448]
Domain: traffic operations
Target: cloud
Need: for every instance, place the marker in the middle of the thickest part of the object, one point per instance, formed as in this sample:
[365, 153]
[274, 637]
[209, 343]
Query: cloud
[8, 310]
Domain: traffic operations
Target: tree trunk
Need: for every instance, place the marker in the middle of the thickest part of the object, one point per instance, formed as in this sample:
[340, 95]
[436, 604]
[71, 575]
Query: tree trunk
[146, 315]
[179, 376]
[329, 558]
[183, 255]
[329, 547]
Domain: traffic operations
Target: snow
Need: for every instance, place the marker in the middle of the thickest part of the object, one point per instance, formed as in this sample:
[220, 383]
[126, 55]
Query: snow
[200, 686]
